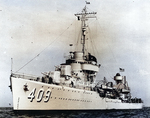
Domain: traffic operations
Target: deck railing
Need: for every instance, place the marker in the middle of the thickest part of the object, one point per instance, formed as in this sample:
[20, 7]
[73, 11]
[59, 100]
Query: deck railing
[25, 76]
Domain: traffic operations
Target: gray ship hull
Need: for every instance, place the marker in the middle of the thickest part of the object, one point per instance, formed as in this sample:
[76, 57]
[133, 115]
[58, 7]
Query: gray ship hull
[33, 95]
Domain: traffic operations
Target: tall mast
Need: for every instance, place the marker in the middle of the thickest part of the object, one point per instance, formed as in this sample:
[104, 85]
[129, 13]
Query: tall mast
[84, 16]
[83, 29]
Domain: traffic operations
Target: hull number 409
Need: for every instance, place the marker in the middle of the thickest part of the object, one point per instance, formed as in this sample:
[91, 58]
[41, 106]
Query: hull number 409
[41, 94]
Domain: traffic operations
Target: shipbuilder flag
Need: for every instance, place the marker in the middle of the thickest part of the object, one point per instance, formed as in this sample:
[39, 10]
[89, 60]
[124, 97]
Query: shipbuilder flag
[121, 69]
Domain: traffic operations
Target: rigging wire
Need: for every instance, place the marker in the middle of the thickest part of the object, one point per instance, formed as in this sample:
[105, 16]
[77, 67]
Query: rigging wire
[109, 48]
[91, 41]
[107, 43]
[45, 48]
[95, 47]
[87, 44]
[78, 39]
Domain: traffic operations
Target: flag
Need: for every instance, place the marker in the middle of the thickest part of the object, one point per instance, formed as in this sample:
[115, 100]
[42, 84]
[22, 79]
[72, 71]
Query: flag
[121, 69]
[87, 2]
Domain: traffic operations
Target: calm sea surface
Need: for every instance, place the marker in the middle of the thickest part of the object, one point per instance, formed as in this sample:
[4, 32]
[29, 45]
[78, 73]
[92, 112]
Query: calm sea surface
[142, 113]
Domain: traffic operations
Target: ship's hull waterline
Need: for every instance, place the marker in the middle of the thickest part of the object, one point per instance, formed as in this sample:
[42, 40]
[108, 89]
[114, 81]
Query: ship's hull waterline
[33, 95]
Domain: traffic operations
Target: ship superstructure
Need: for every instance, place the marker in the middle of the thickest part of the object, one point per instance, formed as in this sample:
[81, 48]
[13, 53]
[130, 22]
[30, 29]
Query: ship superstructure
[72, 85]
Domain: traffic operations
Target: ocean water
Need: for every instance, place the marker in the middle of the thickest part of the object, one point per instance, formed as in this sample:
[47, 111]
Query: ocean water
[142, 113]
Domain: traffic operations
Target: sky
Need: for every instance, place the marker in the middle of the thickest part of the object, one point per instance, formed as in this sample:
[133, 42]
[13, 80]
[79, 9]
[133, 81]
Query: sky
[44, 29]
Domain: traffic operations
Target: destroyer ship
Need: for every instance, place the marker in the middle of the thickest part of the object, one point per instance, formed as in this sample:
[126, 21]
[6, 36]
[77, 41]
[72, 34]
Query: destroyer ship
[72, 85]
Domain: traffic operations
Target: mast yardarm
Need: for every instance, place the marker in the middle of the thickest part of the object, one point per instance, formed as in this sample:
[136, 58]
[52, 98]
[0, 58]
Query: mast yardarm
[84, 16]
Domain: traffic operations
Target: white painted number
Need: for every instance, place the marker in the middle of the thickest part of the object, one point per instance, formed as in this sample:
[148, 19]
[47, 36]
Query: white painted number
[40, 95]
[47, 95]
[31, 95]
